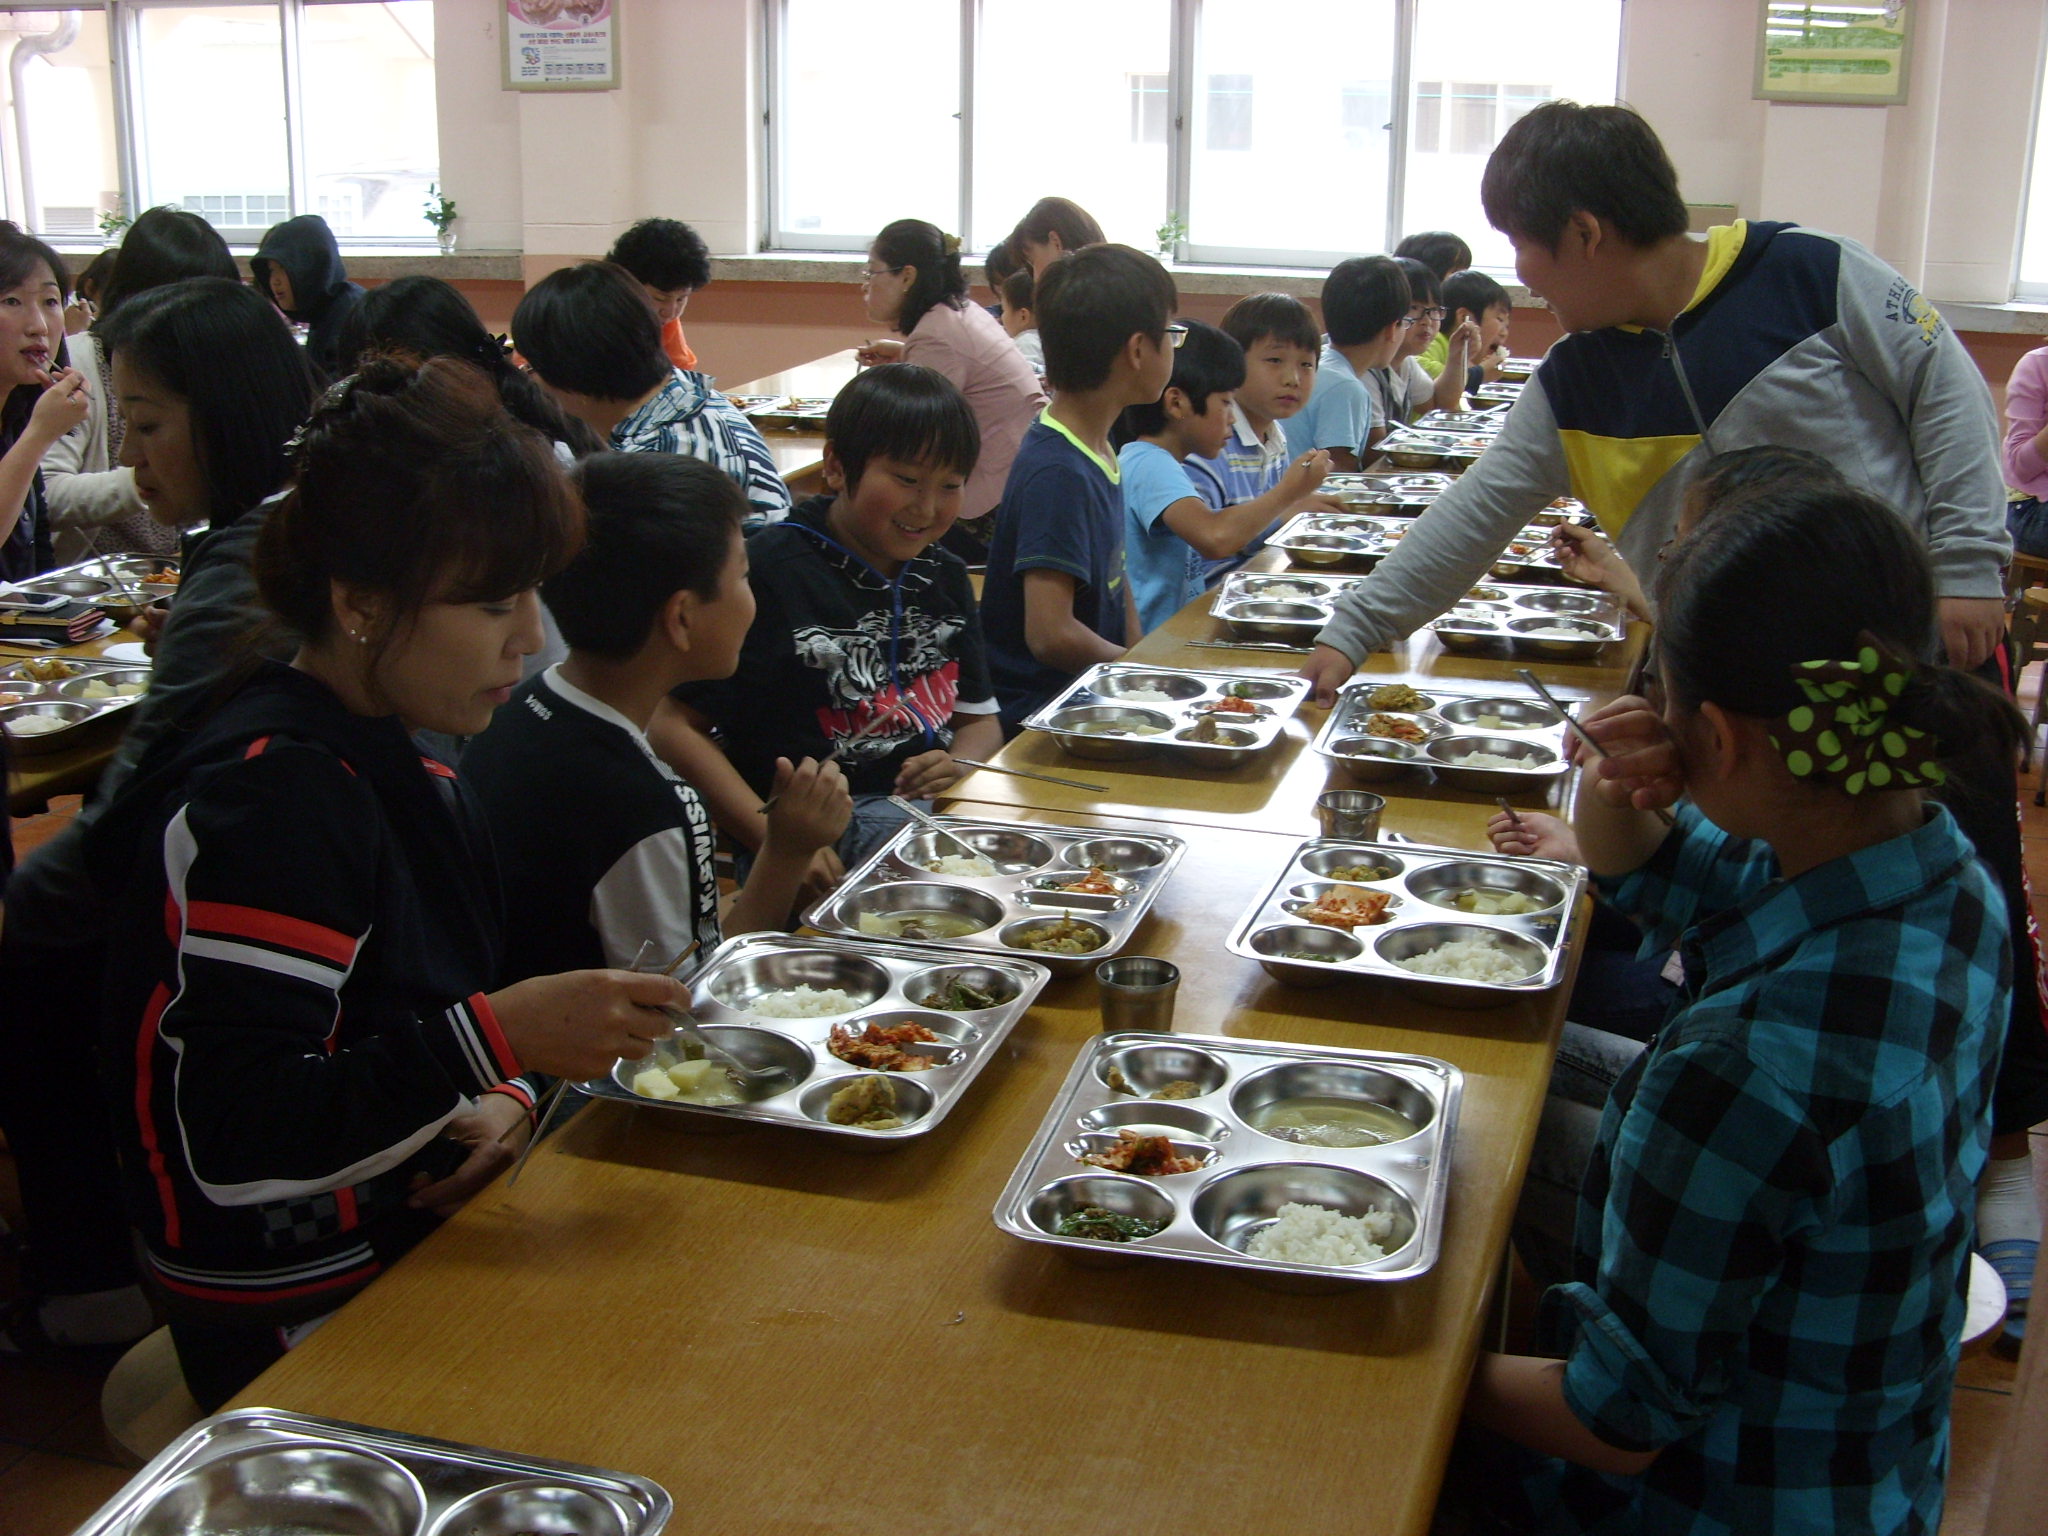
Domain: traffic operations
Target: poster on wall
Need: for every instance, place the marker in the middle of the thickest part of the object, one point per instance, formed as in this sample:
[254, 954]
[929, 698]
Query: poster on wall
[1841, 55]
[561, 45]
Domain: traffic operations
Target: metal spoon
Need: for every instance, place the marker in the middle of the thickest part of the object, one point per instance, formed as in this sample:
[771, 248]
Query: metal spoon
[929, 825]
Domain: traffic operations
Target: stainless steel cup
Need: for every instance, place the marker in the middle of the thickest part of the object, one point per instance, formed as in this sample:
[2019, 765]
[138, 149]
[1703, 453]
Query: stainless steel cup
[1350, 813]
[1137, 993]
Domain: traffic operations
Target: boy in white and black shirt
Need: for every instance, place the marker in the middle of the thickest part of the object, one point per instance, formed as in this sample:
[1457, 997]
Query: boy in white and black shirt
[601, 846]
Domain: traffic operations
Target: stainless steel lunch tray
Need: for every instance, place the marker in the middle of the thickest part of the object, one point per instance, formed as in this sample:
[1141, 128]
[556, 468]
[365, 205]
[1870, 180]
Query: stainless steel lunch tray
[1101, 695]
[888, 974]
[796, 413]
[1503, 391]
[1278, 605]
[1247, 1174]
[61, 698]
[1525, 625]
[1413, 448]
[1340, 541]
[1399, 494]
[458, 1489]
[1450, 722]
[1029, 860]
[1272, 933]
[1480, 424]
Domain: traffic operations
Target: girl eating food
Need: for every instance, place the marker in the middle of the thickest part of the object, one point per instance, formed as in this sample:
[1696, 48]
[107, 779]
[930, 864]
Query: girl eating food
[1762, 1325]
[305, 1065]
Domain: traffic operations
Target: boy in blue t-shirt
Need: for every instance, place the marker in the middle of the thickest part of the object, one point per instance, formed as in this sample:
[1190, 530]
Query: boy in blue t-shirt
[1171, 530]
[1055, 600]
[1365, 306]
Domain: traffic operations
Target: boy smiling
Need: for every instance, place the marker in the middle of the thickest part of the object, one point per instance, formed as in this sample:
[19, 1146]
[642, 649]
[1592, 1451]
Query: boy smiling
[866, 645]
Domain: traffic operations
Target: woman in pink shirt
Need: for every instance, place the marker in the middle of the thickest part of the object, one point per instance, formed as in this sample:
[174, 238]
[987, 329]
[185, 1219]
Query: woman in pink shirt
[2026, 453]
[915, 287]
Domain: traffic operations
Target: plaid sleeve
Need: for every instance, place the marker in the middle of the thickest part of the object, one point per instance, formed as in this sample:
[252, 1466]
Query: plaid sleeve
[1697, 870]
[1714, 1168]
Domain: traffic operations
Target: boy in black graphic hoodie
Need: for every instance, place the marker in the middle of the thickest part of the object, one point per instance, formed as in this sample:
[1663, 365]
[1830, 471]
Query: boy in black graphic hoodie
[299, 266]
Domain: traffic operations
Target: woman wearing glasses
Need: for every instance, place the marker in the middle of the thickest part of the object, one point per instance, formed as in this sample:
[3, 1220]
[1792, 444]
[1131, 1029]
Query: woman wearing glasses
[915, 287]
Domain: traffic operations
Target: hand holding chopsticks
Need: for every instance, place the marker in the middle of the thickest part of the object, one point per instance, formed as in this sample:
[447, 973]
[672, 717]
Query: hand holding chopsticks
[1579, 734]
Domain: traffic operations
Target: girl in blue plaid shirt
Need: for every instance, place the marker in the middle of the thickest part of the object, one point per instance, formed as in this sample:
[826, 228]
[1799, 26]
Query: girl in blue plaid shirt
[1762, 1327]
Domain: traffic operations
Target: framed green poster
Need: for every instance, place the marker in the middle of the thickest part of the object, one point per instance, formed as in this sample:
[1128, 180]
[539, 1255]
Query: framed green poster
[1841, 55]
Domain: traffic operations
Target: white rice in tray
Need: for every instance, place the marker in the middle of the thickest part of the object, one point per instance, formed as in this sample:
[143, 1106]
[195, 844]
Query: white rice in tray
[1315, 1234]
[1475, 959]
[1144, 696]
[960, 864]
[804, 1003]
[1489, 760]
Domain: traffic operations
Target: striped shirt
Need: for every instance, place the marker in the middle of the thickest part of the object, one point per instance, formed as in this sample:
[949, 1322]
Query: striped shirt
[1774, 1231]
[688, 416]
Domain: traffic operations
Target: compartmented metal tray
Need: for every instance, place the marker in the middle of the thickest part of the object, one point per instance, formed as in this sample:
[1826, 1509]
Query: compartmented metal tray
[1023, 896]
[889, 984]
[1339, 541]
[1503, 391]
[1420, 882]
[72, 699]
[1278, 605]
[1517, 369]
[1246, 1174]
[1413, 448]
[1483, 424]
[795, 413]
[263, 1469]
[1112, 713]
[1397, 494]
[1447, 723]
[1550, 623]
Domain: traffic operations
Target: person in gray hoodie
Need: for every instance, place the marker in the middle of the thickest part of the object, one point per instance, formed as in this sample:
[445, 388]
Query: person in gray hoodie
[299, 266]
[1678, 349]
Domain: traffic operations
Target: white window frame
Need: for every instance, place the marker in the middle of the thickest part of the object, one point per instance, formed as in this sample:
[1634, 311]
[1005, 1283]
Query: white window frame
[124, 21]
[2030, 293]
[1181, 84]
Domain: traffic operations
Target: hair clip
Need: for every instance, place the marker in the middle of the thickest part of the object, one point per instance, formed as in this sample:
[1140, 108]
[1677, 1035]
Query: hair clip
[950, 244]
[336, 398]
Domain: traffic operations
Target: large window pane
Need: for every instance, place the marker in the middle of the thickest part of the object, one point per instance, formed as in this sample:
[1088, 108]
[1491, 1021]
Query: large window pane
[1290, 140]
[1070, 102]
[1498, 67]
[70, 171]
[2034, 234]
[367, 96]
[211, 119]
[868, 118]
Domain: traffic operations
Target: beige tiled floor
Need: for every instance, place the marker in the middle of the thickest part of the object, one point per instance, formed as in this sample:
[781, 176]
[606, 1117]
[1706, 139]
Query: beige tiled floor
[57, 1467]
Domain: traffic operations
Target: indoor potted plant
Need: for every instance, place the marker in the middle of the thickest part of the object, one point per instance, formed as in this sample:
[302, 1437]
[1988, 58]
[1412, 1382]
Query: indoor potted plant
[440, 212]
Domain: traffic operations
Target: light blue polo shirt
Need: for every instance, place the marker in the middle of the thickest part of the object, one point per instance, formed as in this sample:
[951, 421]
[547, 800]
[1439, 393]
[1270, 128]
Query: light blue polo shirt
[1166, 573]
[1340, 414]
[1247, 468]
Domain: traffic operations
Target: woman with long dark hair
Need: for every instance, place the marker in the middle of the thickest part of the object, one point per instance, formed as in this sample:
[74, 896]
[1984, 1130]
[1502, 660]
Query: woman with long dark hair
[44, 398]
[93, 504]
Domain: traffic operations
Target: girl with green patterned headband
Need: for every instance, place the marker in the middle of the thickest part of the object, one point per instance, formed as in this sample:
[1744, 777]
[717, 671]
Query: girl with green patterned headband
[1768, 1235]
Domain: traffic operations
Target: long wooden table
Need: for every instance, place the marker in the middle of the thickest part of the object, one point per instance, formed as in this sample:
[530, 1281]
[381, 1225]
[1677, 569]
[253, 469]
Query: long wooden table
[1276, 791]
[800, 456]
[795, 1336]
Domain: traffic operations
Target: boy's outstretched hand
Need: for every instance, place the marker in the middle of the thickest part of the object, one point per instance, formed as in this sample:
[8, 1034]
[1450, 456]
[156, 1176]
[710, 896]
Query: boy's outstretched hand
[1305, 475]
[812, 806]
[926, 774]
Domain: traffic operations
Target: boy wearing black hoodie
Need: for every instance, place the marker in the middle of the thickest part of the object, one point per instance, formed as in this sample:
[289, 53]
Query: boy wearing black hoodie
[299, 266]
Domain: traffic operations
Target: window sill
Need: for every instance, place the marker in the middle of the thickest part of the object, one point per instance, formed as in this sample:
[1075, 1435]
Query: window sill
[2023, 319]
[381, 263]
